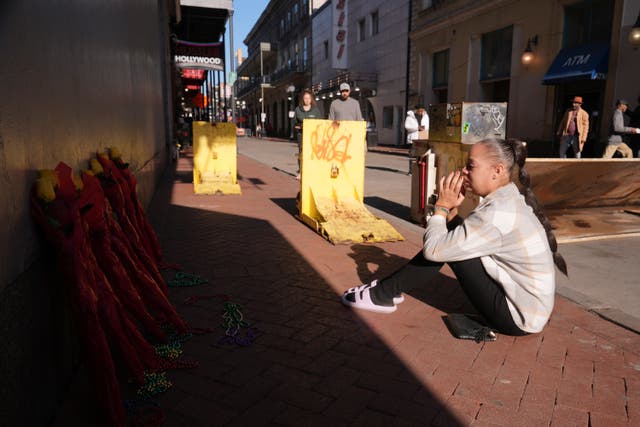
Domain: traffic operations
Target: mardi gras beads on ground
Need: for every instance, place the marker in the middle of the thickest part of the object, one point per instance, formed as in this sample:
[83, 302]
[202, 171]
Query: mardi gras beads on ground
[170, 351]
[232, 322]
[183, 280]
[154, 384]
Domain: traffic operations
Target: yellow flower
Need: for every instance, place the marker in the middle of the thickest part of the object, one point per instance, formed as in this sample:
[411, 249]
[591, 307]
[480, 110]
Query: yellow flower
[45, 189]
[114, 153]
[49, 174]
[96, 167]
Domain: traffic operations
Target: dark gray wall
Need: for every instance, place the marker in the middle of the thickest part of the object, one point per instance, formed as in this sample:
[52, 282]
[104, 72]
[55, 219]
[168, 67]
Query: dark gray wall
[75, 77]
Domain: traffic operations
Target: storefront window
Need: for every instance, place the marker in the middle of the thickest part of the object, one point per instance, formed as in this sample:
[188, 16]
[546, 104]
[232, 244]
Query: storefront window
[387, 117]
[374, 23]
[587, 22]
[305, 52]
[496, 54]
[441, 69]
[440, 83]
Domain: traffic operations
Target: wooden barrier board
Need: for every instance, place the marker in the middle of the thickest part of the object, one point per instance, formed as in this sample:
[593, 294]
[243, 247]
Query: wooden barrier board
[585, 183]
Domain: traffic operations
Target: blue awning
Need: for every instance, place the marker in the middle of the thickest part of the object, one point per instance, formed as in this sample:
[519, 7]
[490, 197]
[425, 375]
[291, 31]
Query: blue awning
[590, 62]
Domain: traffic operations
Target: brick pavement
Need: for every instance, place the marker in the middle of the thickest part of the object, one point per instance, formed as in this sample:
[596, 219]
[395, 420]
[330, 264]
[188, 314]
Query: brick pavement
[318, 363]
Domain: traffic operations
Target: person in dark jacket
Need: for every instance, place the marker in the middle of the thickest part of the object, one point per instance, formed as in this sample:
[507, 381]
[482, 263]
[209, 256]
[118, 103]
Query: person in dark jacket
[306, 109]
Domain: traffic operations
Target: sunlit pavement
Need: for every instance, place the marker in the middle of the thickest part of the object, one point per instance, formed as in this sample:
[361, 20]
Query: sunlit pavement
[316, 362]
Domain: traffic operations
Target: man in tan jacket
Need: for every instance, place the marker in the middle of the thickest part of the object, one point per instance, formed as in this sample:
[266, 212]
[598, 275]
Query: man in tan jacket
[573, 129]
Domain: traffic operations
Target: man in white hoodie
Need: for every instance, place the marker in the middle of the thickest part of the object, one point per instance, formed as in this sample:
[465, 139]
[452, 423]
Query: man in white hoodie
[415, 122]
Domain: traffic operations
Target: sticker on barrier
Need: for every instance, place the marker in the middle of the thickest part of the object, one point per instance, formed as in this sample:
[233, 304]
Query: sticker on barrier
[215, 158]
[332, 184]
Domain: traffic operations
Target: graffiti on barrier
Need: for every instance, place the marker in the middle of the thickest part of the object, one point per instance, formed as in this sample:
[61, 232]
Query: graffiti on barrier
[326, 145]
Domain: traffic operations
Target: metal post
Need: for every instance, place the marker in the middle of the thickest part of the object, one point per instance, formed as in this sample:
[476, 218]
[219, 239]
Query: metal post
[214, 97]
[220, 95]
[217, 90]
[205, 92]
[232, 67]
[290, 91]
[210, 98]
[223, 79]
[261, 90]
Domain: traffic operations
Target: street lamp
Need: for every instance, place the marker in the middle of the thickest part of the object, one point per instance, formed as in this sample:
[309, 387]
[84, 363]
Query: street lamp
[290, 90]
[264, 47]
[634, 35]
[527, 55]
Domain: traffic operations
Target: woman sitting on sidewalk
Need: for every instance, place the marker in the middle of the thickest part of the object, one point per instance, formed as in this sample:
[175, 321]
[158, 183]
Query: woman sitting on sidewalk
[503, 253]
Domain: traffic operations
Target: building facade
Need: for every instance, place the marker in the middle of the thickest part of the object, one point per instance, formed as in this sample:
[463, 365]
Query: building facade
[364, 43]
[463, 50]
[277, 68]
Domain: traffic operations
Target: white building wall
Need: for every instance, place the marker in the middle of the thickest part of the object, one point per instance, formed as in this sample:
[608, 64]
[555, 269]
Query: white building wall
[386, 55]
[386, 52]
[320, 32]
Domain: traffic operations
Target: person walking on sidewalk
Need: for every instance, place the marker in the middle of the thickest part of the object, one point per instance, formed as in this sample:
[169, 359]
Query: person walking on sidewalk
[345, 107]
[573, 129]
[616, 130]
[306, 109]
[634, 122]
[503, 253]
[416, 121]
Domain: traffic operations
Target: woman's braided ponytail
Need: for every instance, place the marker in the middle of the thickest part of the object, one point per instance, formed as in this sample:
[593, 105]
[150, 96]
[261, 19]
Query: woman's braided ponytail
[514, 152]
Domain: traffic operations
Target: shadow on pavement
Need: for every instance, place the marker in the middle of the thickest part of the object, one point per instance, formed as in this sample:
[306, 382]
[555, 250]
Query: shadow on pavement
[442, 292]
[388, 206]
[185, 177]
[315, 361]
[287, 204]
[373, 262]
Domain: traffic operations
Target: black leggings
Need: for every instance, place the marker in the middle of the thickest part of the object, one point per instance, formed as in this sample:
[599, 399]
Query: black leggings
[485, 294]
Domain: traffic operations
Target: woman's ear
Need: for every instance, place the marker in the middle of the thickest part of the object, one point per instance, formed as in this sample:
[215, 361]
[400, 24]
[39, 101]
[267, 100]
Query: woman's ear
[500, 169]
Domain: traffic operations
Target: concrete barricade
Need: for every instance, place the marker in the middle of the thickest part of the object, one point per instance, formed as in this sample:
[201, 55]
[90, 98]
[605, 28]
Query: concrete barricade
[215, 158]
[332, 184]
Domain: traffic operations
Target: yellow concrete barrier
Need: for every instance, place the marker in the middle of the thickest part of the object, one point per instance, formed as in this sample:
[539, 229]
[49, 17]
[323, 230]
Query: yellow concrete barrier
[215, 158]
[332, 184]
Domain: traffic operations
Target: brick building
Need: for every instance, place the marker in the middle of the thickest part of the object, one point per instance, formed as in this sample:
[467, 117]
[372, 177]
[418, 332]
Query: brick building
[371, 55]
[278, 66]
[473, 51]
